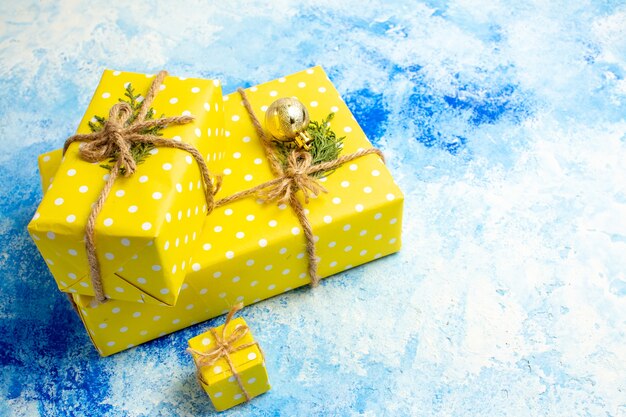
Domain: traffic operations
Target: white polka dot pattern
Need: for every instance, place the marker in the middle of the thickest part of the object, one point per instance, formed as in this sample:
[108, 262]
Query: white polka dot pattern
[270, 259]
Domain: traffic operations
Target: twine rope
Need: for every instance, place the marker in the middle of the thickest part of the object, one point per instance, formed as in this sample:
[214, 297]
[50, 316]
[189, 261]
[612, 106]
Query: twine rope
[297, 175]
[224, 346]
[117, 137]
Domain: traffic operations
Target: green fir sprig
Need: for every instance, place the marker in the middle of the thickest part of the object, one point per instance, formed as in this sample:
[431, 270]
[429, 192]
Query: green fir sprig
[139, 150]
[325, 147]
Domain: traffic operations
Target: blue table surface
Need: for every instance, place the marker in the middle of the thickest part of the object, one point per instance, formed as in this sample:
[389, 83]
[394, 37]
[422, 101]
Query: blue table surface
[502, 121]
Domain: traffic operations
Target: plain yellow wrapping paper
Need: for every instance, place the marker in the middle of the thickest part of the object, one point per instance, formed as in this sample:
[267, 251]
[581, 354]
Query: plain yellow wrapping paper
[150, 221]
[250, 251]
[221, 386]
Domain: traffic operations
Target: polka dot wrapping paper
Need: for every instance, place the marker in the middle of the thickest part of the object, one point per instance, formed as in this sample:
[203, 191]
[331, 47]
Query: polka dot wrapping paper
[150, 220]
[218, 381]
[248, 251]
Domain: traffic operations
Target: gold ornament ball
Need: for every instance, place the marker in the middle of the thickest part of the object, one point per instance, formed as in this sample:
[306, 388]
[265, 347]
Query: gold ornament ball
[286, 120]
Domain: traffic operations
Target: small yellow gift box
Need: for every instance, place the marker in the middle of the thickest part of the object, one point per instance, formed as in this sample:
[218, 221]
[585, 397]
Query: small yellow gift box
[150, 221]
[231, 367]
[249, 251]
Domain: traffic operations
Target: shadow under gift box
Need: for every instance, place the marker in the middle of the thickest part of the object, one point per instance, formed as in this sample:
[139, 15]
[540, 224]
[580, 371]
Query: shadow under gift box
[248, 250]
[149, 223]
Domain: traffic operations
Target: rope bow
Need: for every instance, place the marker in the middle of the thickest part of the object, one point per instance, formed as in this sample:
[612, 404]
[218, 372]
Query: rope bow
[115, 140]
[225, 344]
[295, 177]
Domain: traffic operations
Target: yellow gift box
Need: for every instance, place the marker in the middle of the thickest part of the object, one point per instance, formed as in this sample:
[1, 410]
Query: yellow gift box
[150, 222]
[231, 367]
[249, 251]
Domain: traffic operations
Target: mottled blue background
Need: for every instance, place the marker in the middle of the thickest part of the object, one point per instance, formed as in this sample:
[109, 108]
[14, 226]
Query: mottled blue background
[503, 122]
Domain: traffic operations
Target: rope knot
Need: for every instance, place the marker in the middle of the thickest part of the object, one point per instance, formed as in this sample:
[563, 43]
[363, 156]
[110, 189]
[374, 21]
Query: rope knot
[298, 163]
[113, 140]
[296, 176]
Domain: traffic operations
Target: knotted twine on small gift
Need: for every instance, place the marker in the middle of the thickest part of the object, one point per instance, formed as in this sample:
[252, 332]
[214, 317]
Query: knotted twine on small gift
[224, 346]
[115, 141]
[296, 175]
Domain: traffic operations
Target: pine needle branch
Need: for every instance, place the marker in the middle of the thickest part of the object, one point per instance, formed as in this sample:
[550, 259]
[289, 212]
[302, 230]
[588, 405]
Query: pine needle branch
[140, 151]
[325, 147]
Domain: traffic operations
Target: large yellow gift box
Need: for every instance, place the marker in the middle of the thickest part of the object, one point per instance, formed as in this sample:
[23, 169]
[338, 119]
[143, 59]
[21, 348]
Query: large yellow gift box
[231, 366]
[249, 250]
[149, 225]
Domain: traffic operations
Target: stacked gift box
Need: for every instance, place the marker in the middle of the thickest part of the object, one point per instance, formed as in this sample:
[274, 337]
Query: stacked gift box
[167, 263]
